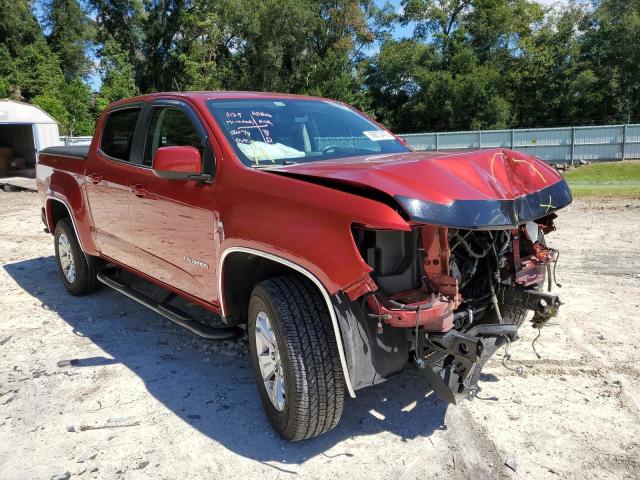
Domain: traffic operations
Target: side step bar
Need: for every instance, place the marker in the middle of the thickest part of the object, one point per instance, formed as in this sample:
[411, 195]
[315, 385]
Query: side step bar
[172, 313]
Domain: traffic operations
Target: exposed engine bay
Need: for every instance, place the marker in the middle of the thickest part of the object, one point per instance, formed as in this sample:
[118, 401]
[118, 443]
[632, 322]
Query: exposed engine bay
[459, 295]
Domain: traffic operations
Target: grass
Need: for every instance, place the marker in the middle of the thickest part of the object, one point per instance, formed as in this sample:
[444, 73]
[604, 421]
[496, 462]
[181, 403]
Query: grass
[611, 179]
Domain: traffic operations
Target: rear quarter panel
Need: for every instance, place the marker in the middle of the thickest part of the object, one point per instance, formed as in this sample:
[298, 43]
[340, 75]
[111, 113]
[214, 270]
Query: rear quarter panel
[61, 179]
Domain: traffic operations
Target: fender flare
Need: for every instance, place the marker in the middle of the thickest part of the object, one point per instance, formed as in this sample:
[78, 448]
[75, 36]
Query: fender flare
[73, 220]
[316, 282]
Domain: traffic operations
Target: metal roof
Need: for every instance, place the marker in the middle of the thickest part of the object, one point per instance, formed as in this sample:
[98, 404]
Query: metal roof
[20, 112]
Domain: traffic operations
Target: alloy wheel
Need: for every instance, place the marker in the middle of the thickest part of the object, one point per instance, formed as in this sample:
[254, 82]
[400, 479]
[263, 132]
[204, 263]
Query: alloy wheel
[269, 361]
[66, 258]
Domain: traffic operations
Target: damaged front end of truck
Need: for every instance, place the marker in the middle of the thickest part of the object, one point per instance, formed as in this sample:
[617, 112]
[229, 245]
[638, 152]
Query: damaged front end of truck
[457, 285]
[458, 294]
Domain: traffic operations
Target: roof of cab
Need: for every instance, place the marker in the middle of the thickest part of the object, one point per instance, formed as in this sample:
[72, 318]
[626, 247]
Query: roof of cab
[212, 95]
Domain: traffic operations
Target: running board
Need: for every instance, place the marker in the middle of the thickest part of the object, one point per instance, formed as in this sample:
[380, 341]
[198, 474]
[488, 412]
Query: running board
[171, 313]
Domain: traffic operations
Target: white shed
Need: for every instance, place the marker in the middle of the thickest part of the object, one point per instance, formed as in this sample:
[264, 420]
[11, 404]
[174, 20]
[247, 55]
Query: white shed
[25, 129]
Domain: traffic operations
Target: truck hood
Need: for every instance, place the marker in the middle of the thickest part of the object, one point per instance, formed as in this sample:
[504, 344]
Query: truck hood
[495, 188]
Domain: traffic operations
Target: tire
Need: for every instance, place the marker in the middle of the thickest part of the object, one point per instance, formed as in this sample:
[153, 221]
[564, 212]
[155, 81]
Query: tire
[83, 280]
[307, 357]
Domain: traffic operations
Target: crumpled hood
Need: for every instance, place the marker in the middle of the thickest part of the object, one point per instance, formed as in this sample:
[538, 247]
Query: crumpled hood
[489, 188]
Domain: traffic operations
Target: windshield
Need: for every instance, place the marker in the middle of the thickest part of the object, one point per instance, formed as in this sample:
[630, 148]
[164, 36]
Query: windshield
[275, 131]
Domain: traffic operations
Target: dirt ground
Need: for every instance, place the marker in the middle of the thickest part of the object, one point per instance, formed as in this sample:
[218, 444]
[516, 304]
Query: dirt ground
[99, 387]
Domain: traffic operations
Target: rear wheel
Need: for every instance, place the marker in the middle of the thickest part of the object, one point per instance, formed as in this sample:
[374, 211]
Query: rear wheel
[77, 270]
[295, 358]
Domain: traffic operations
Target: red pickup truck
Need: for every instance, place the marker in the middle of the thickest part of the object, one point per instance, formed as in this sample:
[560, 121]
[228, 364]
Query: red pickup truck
[343, 255]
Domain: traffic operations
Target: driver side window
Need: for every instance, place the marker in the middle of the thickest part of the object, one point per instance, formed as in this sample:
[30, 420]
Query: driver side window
[169, 127]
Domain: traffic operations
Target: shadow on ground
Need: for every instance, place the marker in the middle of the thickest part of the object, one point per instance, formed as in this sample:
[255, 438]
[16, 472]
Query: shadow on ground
[209, 390]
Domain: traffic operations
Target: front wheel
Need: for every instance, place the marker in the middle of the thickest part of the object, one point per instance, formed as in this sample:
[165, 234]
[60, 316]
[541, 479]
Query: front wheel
[77, 270]
[295, 358]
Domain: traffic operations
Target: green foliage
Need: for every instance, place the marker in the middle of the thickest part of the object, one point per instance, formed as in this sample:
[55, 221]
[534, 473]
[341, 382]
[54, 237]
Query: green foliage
[611, 53]
[54, 106]
[38, 70]
[454, 73]
[468, 64]
[118, 76]
[79, 104]
[18, 26]
[69, 36]
[71, 107]
[7, 73]
[197, 62]
[28, 68]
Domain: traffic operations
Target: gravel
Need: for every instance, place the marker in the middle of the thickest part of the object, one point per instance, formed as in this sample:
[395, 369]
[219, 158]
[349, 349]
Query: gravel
[161, 403]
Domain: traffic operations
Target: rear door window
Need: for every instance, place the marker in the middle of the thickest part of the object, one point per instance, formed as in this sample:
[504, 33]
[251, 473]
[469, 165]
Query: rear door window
[117, 136]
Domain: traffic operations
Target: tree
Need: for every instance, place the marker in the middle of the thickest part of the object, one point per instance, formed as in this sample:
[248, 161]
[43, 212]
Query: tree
[199, 59]
[120, 22]
[469, 63]
[29, 68]
[71, 107]
[391, 81]
[55, 107]
[160, 26]
[610, 51]
[38, 70]
[18, 26]
[448, 76]
[306, 46]
[548, 83]
[69, 36]
[7, 73]
[79, 104]
[118, 76]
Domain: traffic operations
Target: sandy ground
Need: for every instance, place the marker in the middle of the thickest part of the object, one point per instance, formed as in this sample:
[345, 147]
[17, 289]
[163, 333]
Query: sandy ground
[98, 387]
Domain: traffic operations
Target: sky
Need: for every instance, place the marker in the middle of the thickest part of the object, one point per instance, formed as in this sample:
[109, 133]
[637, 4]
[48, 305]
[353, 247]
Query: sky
[399, 30]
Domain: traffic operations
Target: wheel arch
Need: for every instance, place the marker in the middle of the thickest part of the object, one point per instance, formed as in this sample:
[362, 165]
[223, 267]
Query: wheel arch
[247, 267]
[55, 210]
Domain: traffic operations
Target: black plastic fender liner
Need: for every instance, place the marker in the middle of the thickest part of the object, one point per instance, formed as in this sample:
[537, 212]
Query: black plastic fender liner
[487, 214]
[371, 357]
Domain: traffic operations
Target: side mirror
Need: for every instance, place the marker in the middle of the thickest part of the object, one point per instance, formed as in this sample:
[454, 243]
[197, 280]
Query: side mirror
[179, 163]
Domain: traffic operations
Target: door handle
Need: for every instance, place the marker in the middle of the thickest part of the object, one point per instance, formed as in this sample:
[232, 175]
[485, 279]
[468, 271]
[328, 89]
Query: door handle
[94, 178]
[139, 190]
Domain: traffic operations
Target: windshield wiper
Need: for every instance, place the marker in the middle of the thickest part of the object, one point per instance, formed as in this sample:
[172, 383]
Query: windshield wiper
[270, 165]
